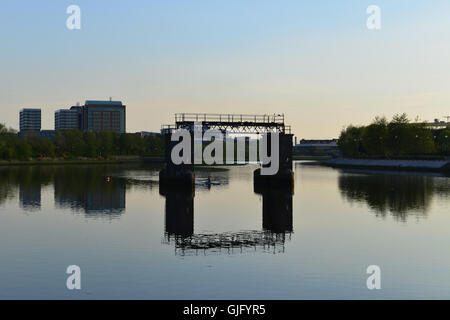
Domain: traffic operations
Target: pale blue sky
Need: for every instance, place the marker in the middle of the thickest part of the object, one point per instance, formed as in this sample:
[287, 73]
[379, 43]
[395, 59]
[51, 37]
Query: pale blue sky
[315, 61]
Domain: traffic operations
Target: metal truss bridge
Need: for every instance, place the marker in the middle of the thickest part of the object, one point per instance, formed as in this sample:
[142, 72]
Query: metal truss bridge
[231, 123]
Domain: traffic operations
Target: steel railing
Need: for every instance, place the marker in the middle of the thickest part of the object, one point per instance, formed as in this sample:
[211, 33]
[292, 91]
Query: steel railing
[215, 117]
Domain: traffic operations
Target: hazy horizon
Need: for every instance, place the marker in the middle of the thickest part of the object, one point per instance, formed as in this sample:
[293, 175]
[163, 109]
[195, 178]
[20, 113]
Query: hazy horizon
[315, 62]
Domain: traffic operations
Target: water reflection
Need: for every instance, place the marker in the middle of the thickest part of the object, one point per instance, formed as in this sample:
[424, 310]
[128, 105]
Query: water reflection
[90, 190]
[276, 225]
[276, 208]
[179, 213]
[28, 181]
[390, 193]
[80, 188]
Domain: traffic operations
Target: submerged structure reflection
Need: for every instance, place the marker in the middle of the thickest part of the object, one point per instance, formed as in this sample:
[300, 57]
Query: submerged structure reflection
[277, 225]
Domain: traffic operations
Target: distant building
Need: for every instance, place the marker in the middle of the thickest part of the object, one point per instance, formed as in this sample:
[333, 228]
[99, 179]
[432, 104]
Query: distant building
[144, 134]
[30, 120]
[47, 134]
[317, 147]
[68, 118]
[103, 116]
[318, 143]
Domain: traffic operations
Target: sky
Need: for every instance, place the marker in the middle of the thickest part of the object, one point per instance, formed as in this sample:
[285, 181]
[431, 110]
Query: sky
[314, 61]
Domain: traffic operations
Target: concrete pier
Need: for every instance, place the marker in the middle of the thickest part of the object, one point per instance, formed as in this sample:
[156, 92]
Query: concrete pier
[285, 176]
[181, 175]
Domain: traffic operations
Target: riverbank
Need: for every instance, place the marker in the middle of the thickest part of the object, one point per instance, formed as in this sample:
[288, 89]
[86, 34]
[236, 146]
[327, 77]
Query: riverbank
[399, 165]
[114, 160]
[297, 157]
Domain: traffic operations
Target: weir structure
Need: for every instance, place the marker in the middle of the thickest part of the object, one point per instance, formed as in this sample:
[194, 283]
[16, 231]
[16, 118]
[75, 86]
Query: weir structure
[182, 175]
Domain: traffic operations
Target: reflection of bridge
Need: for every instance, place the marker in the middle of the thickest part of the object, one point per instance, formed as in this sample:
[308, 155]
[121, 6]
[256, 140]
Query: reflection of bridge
[183, 173]
[229, 242]
[276, 224]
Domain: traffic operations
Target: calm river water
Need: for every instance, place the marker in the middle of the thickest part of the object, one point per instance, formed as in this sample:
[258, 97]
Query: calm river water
[228, 240]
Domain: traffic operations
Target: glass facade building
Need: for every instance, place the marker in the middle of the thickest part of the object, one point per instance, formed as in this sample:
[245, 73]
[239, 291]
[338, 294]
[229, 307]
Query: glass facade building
[30, 120]
[68, 119]
[104, 116]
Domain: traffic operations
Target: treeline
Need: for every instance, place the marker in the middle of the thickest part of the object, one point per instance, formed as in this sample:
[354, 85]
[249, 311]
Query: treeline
[395, 139]
[69, 144]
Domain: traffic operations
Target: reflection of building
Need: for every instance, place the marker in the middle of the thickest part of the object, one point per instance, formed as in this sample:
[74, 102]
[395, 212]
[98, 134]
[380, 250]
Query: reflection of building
[30, 196]
[102, 201]
[30, 120]
[90, 191]
[108, 200]
[104, 116]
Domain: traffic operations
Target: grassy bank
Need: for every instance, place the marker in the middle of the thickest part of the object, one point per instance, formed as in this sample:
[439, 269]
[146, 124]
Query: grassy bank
[396, 165]
[117, 160]
[297, 157]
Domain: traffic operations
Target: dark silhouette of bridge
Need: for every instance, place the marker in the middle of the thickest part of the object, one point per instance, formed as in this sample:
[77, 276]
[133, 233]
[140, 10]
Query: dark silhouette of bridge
[231, 123]
[183, 174]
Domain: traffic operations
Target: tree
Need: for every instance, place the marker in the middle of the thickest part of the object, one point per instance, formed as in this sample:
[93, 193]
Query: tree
[443, 142]
[350, 141]
[70, 142]
[23, 149]
[106, 143]
[91, 145]
[423, 142]
[375, 138]
[400, 136]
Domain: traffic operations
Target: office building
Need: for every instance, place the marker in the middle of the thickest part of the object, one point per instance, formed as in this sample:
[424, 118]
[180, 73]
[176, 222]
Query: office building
[30, 120]
[66, 119]
[317, 148]
[103, 116]
[145, 134]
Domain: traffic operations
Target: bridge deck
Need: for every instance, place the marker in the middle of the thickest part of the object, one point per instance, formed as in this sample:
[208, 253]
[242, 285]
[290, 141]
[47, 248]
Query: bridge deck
[229, 118]
[235, 123]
